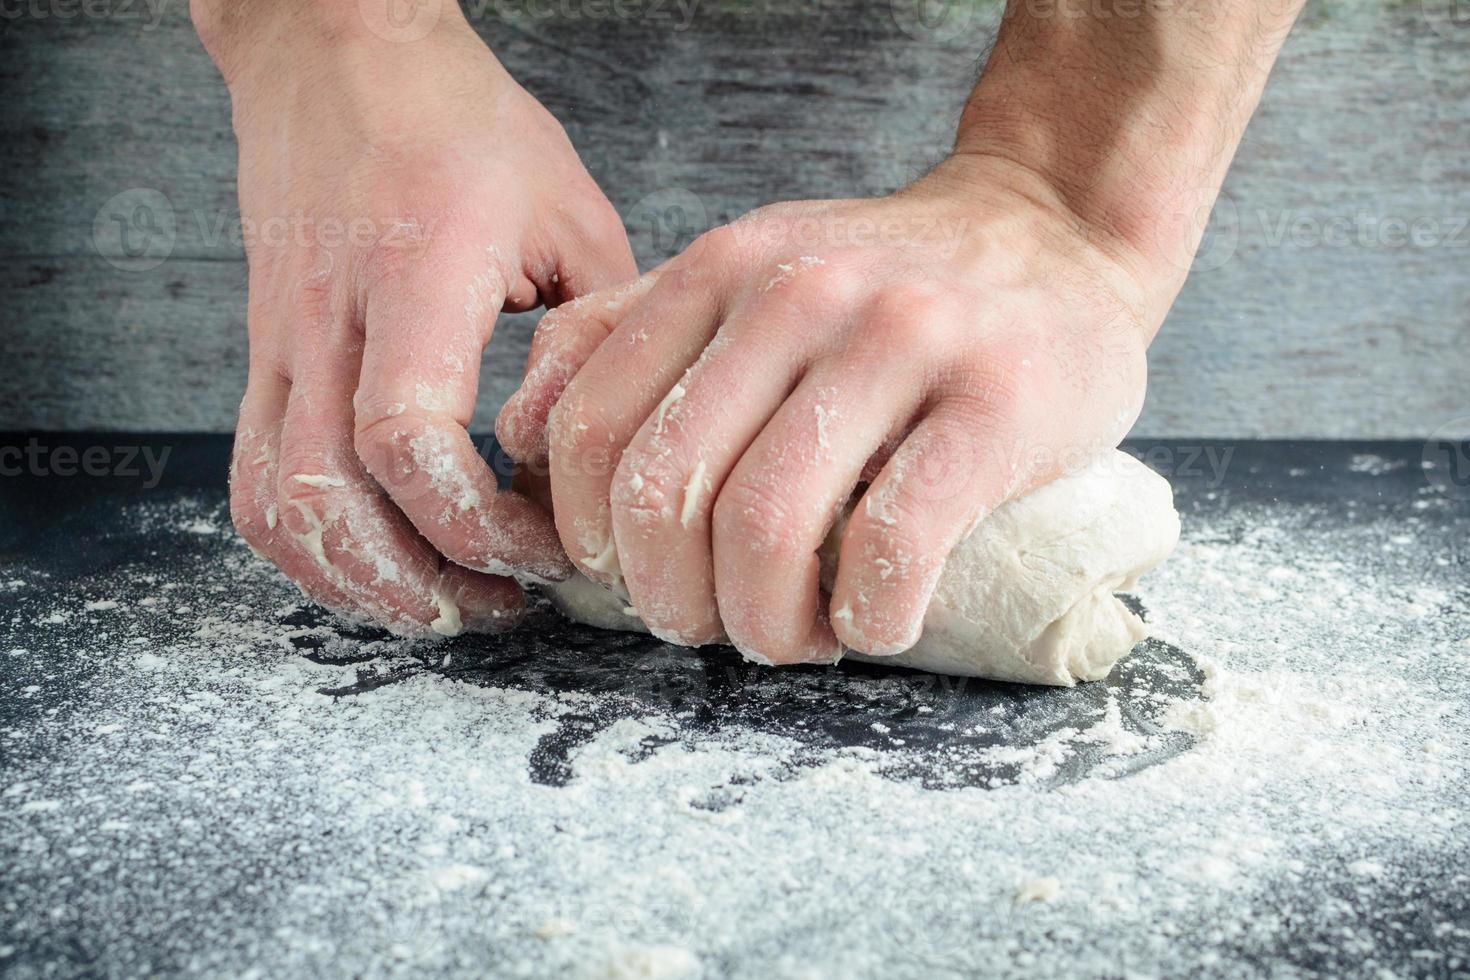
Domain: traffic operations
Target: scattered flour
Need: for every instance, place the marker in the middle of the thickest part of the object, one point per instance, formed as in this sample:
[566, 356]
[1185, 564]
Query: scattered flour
[221, 782]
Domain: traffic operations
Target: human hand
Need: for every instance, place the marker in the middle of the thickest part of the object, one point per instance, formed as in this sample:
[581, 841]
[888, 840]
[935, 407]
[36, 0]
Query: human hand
[395, 197]
[955, 344]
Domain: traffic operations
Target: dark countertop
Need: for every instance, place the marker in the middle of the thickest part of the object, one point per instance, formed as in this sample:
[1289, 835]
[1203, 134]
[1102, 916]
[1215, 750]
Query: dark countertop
[202, 774]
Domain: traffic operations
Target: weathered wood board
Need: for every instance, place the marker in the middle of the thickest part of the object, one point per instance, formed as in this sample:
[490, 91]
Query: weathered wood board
[1307, 314]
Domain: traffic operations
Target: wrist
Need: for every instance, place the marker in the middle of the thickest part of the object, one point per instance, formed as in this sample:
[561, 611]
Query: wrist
[1016, 215]
[253, 43]
[1131, 115]
[1131, 193]
[980, 185]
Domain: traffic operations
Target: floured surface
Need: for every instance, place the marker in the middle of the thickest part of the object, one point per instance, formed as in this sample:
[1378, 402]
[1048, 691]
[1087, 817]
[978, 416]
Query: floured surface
[200, 775]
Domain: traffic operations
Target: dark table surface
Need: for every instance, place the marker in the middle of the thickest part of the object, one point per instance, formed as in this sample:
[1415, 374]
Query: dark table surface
[199, 772]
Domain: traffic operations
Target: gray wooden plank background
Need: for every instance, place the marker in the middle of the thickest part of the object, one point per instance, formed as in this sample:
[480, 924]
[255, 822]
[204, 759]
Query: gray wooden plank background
[1284, 329]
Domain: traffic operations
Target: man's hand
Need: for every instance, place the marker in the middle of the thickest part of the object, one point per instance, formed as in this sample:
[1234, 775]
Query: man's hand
[395, 198]
[975, 334]
[954, 344]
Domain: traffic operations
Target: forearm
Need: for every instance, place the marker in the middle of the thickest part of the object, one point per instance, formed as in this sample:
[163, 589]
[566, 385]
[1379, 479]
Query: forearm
[1131, 110]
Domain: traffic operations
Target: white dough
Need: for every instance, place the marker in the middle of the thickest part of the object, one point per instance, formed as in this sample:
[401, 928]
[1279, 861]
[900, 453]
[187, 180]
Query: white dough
[1028, 596]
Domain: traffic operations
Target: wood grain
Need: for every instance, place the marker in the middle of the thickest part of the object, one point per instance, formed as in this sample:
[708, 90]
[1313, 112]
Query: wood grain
[1283, 330]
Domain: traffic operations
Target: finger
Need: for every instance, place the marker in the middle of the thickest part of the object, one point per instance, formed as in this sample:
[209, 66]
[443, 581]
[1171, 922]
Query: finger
[631, 377]
[255, 481]
[667, 480]
[564, 340]
[669, 497]
[783, 498]
[255, 457]
[425, 329]
[957, 465]
[592, 255]
[342, 537]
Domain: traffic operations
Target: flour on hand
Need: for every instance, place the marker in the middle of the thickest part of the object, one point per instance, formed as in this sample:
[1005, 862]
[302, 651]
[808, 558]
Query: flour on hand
[1029, 595]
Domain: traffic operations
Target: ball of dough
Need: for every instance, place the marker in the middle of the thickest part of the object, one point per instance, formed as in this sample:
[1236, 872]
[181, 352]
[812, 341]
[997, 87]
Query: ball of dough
[1029, 595]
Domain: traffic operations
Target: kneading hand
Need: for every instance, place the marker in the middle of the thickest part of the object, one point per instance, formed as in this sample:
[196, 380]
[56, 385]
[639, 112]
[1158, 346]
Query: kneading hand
[954, 344]
[395, 198]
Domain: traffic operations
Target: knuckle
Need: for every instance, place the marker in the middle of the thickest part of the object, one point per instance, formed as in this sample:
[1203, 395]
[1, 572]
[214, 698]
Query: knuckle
[518, 429]
[375, 437]
[553, 324]
[550, 369]
[720, 246]
[577, 425]
[385, 441]
[820, 285]
[720, 241]
[911, 318]
[421, 464]
[395, 257]
[310, 303]
[760, 516]
[772, 225]
[887, 530]
[914, 298]
[772, 212]
[317, 437]
[461, 551]
[650, 487]
[521, 429]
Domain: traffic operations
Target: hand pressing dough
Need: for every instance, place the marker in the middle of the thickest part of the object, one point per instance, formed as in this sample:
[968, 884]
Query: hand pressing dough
[1028, 596]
